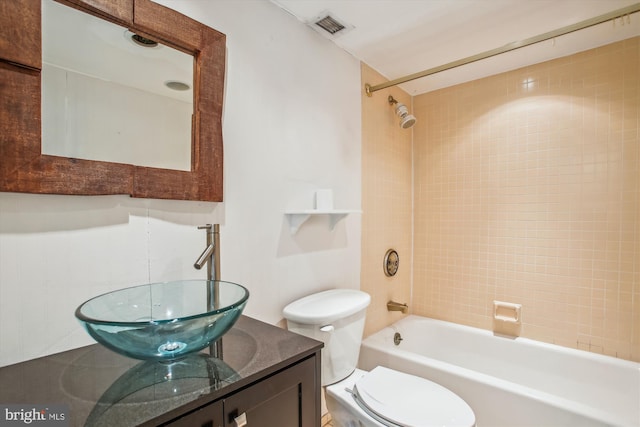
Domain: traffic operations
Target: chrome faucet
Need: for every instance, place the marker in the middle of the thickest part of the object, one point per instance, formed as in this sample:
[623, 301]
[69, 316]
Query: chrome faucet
[211, 254]
[396, 306]
[211, 257]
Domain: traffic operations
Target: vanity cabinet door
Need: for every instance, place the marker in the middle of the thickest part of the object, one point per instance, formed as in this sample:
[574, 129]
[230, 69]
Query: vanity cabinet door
[286, 399]
[289, 398]
[207, 416]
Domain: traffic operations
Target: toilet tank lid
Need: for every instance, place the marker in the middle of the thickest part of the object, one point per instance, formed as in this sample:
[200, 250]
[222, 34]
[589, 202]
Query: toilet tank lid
[328, 306]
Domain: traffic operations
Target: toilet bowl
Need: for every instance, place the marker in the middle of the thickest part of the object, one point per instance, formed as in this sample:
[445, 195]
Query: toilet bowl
[380, 397]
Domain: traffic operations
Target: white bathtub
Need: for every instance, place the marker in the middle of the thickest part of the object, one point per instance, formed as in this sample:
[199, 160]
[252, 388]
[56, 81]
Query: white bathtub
[511, 382]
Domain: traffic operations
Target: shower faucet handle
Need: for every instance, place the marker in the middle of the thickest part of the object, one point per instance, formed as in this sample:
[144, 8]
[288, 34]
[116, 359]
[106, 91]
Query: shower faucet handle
[205, 227]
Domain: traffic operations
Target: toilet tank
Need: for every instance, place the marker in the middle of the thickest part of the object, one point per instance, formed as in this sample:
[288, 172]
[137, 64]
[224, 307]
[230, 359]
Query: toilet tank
[335, 317]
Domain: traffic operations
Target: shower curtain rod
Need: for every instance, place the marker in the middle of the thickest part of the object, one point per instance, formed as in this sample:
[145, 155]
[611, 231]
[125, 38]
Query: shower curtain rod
[369, 89]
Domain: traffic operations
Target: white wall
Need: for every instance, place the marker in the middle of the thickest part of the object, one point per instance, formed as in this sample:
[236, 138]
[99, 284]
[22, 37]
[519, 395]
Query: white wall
[291, 126]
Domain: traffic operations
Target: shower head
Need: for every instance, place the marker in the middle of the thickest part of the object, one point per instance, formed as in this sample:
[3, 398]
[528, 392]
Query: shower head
[406, 120]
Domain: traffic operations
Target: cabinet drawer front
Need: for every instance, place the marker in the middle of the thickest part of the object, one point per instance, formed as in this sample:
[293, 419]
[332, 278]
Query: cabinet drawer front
[286, 399]
[207, 416]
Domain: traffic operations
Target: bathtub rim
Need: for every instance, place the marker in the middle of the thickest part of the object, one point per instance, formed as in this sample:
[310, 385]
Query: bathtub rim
[523, 340]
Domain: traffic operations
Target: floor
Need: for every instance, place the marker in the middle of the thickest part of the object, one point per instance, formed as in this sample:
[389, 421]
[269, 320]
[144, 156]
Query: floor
[326, 421]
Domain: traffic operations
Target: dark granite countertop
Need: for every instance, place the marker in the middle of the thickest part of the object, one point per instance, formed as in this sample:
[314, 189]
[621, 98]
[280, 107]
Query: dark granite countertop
[102, 388]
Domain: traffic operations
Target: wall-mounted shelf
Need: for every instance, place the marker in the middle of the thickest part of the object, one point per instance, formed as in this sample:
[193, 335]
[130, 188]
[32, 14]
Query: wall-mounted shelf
[298, 217]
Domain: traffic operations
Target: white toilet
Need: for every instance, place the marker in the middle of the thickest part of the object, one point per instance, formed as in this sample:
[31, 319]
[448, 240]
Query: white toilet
[380, 397]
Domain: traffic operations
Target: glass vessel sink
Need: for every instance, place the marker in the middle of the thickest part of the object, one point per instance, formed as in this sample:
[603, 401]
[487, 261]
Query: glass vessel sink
[163, 321]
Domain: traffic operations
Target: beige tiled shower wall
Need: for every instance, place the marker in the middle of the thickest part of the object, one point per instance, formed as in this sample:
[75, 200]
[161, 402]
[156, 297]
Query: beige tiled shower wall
[386, 201]
[527, 190]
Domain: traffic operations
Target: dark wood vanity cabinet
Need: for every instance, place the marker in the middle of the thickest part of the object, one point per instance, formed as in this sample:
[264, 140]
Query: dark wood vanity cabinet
[207, 416]
[285, 399]
[268, 374]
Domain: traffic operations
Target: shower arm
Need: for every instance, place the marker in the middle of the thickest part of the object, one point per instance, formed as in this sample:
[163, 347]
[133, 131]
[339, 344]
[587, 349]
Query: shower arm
[369, 89]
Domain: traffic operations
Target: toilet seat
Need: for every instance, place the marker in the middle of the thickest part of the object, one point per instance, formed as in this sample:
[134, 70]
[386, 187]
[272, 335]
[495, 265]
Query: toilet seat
[398, 399]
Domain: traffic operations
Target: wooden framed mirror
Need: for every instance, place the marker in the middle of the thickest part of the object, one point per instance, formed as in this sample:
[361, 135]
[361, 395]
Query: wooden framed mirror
[23, 167]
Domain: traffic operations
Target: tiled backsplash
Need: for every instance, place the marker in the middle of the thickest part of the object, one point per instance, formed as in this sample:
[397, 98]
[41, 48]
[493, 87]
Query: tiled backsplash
[527, 190]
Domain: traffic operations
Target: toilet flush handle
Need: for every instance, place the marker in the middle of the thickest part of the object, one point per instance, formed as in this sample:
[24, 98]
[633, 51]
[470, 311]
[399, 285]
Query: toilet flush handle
[327, 328]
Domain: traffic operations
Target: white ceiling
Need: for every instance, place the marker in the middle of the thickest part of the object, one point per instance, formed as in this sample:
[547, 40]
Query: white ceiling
[401, 37]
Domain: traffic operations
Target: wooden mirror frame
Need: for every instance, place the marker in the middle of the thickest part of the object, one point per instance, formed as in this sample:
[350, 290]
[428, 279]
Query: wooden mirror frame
[24, 169]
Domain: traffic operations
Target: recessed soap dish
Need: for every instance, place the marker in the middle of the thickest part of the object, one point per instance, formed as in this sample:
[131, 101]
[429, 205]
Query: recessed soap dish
[507, 312]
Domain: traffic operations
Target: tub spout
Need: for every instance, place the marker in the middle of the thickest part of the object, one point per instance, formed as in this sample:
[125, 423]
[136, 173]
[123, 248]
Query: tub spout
[396, 306]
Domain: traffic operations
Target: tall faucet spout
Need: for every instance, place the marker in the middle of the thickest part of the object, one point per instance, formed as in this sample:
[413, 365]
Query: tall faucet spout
[206, 256]
[211, 257]
[211, 254]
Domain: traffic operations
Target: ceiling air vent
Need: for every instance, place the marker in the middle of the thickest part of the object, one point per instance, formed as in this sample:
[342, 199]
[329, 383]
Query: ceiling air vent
[330, 24]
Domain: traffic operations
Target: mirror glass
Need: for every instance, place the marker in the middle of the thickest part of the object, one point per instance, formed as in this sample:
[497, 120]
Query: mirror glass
[106, 96]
